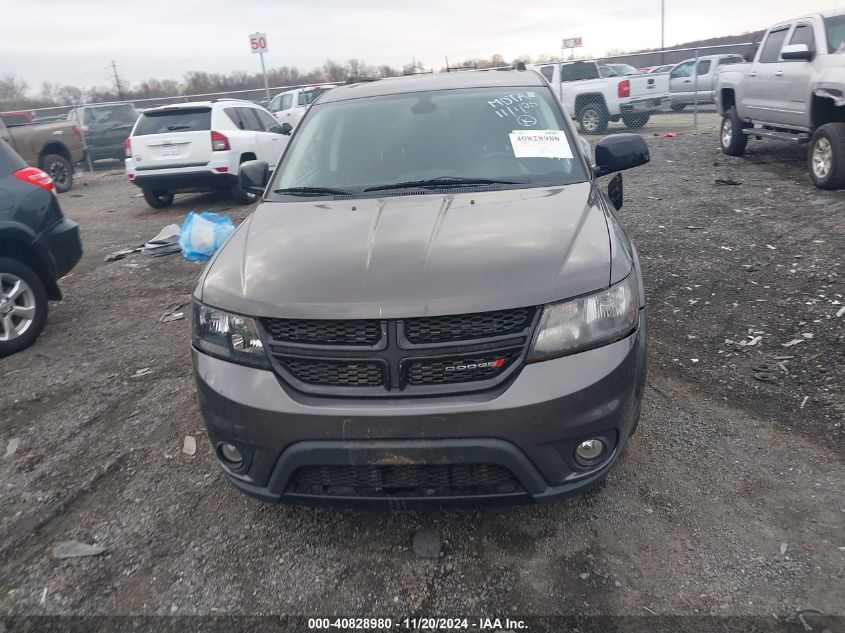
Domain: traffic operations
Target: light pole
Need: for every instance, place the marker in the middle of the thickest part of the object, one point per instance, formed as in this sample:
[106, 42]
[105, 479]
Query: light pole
[662, 31]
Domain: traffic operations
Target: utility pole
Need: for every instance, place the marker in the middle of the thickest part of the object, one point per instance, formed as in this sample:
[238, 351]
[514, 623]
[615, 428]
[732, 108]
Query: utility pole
[117, 80]
[662, 31]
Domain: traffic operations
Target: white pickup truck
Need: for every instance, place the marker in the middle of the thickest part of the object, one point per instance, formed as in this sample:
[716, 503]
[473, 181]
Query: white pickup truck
[794, 91]
[290, 106]
[594, 100]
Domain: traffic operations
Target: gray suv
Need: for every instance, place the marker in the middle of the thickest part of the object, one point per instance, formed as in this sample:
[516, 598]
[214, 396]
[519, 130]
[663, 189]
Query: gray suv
[434, 301]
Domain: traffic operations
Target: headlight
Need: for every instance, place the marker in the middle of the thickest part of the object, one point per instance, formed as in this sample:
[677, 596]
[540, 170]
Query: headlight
[230, 336]
[587, 322]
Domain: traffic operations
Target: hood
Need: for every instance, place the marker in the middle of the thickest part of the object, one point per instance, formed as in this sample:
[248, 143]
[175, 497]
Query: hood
[418, 255]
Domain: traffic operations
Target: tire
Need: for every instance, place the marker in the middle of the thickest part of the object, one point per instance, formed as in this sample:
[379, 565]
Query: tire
[593, 118]
[636, 121]
[158, 199]
[23, 306]
[730, 134]
[60, 170]
[678, 107]
[826, 156]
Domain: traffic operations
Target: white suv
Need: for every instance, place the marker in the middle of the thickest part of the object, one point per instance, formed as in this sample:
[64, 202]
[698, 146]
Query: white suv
[191, 147]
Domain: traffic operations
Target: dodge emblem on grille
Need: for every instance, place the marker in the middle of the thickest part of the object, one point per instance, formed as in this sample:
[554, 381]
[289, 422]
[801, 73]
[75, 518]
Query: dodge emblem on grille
[493, 364]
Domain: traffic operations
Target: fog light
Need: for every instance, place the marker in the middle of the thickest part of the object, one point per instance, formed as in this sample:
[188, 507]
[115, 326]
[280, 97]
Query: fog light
[231, 454]
[589, 451]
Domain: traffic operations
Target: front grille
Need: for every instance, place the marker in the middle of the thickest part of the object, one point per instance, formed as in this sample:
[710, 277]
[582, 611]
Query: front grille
[325, 332]
[461, 327]
[421, 356]
[335, 373]
[413, 480]
[449, 371]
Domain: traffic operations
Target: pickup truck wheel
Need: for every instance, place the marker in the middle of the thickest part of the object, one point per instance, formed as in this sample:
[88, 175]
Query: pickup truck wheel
[60, 170]
[731, 136]
[593, 118]
[23, 306]
[158, 199]
[636, 121]
[826, 156]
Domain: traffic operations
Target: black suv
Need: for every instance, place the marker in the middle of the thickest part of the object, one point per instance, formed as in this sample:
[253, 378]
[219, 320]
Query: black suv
[38, 245]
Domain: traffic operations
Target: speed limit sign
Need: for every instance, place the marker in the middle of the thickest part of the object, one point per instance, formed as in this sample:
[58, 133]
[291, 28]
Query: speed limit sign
[258, 43]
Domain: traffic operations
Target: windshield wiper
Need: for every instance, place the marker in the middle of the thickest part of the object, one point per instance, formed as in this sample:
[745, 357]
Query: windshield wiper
[315, 191]
[446, 181]
[171, 128]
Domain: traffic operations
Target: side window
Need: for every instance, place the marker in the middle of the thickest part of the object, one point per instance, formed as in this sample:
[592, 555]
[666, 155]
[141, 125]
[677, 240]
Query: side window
[803, 34]
[548, 72]
[704, 67]
[268, 121]
[274, 104]
[235, 115]
[771, 47]
[287, 100]
[682, 70]
[250, 120]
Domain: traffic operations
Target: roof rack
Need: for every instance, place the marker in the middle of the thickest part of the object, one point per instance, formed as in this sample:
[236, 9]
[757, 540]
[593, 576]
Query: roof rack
[359, 80]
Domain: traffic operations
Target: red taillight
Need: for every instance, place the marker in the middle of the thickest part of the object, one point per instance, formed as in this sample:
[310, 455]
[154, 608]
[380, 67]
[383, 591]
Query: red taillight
[127, 148]
[35, 176]
[77, 130]
[624, 89]
[219, 143]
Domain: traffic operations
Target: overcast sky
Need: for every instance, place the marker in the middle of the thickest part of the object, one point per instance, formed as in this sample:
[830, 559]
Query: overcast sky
[72, 41]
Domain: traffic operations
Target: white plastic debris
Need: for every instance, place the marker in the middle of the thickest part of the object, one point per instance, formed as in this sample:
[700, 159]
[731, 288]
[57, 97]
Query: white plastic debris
[75, 549]
[189, 445]
[794, 341]
[12, 446]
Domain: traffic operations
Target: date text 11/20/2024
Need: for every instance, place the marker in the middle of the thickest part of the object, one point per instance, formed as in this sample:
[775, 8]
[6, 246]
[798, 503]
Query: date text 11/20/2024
[417, 624]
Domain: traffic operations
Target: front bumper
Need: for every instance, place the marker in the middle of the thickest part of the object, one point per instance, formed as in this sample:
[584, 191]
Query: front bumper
[530, 426]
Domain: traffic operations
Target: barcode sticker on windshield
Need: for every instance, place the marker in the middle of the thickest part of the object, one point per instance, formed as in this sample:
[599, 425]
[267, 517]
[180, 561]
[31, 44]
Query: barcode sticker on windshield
[540, 144]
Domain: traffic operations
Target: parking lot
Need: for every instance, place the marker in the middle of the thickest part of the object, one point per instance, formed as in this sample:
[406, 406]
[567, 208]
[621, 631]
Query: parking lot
[728, 501]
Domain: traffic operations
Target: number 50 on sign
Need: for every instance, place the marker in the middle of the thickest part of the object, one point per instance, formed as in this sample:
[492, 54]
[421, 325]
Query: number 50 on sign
[258, 43]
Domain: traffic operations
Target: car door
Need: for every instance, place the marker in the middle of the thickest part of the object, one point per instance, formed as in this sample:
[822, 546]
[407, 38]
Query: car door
[762, 99]
[702, 81]
[272, 135]
[795, 80]
[283, 115]
[266, 144]
[680, 82]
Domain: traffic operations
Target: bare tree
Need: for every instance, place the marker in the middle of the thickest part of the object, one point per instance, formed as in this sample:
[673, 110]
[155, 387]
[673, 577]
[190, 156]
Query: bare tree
[12, 91]
[69, 95]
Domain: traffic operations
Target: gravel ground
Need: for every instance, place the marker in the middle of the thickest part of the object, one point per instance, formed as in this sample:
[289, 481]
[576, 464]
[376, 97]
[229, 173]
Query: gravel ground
[728, 501]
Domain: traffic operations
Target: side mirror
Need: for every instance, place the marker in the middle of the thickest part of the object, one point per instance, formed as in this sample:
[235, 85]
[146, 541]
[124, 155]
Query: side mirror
[620, 152]
[254, 176]
[796, 52]
[287, 128]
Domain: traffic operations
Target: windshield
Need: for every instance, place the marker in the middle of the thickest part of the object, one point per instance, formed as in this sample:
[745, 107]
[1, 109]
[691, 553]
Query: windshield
[123, 114]
[177, 119]
[504, 134]
[835, 30]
